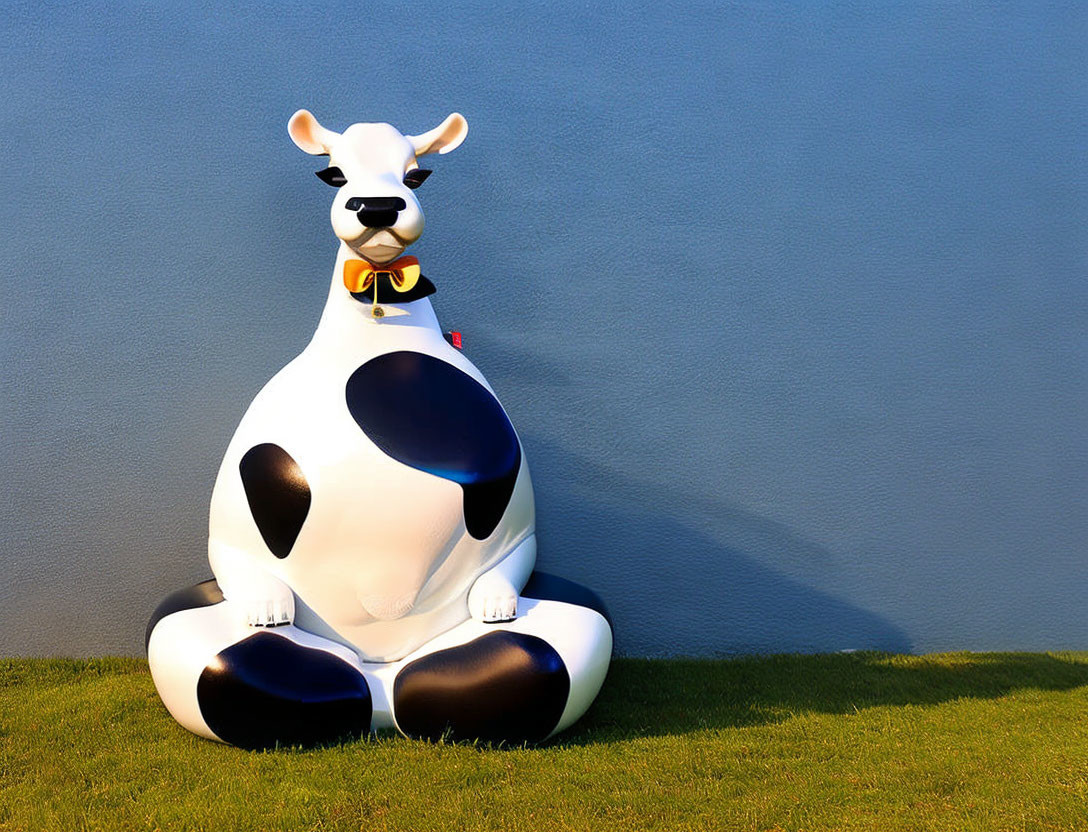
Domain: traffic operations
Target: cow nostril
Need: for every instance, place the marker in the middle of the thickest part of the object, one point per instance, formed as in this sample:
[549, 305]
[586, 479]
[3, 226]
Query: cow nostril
[391, 203]
[394, 203]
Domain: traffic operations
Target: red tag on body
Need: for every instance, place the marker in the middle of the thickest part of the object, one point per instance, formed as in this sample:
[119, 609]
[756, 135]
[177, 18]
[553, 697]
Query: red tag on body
[454, 338]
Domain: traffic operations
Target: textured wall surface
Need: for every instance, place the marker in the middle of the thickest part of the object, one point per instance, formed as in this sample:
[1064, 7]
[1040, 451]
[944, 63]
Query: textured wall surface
[787, 304]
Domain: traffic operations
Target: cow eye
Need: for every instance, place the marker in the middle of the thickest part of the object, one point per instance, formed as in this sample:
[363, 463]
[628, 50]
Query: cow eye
[416, 177]
[332, 176]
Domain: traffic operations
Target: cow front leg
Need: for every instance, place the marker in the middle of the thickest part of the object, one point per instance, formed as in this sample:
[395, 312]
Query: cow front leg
[494, 595]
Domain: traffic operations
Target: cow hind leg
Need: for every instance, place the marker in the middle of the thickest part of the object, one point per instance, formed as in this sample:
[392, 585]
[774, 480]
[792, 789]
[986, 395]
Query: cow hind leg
[514, 682]
[252, 687]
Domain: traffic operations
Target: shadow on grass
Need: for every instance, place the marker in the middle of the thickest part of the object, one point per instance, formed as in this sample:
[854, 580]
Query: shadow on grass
[674, 697]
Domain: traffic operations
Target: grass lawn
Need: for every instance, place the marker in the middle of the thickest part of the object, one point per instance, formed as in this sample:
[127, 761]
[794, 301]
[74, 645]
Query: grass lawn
[860, 741]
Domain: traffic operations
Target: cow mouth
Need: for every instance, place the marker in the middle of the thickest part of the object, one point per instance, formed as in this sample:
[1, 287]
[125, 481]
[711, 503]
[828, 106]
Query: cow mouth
[378, 245]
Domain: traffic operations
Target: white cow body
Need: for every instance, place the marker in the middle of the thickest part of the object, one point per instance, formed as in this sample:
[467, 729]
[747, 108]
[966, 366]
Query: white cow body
[383, 561]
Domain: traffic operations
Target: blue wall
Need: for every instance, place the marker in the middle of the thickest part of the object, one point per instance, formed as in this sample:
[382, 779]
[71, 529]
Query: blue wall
[788, 303]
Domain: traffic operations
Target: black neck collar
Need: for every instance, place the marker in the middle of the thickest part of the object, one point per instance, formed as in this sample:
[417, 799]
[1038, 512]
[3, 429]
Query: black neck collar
[387, 293]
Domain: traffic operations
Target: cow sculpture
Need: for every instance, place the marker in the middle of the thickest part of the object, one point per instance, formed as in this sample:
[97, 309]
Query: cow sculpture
[372, 527]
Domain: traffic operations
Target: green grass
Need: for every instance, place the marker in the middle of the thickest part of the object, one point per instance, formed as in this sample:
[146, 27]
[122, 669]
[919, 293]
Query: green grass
[861, 741]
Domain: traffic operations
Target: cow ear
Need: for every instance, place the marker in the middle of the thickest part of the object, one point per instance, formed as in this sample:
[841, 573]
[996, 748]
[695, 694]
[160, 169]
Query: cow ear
[309, 135]
[445, 137]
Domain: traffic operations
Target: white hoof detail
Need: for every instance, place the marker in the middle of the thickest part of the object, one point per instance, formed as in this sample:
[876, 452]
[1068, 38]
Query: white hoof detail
[493, 599]
[267, 602]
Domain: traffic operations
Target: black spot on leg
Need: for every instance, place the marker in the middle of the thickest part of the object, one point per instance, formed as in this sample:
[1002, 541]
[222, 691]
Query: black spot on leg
[426, 413]
[278, 495]
[504, 686]
[267, 689]
[204, 594]
[545, 587]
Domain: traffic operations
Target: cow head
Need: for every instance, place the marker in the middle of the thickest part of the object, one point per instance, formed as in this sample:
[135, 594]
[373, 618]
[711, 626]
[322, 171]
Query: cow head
[375, 171]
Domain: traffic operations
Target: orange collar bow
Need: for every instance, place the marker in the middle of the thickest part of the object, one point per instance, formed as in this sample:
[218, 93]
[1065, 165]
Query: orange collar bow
[403, 274]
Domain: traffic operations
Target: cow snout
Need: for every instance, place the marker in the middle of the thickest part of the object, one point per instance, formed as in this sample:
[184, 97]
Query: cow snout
[376, 211]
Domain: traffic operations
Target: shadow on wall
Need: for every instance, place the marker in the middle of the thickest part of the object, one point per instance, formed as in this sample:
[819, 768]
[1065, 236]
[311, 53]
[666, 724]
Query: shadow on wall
[643, 698]
[672, 588]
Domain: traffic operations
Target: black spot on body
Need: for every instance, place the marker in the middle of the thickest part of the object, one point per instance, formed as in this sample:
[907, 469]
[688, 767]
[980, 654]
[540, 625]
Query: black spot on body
[503, 686]
[431, 416]
[278, 495]
[267, 689]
